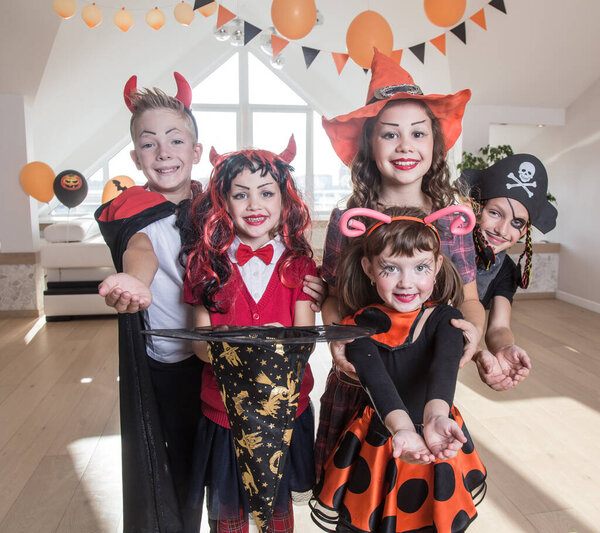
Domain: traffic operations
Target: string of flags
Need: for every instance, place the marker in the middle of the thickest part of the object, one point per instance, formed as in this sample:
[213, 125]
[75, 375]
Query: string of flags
[184, 14]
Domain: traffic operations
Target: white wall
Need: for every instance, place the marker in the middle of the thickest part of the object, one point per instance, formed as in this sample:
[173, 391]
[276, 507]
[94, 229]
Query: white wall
[571, 155]
[18, 212]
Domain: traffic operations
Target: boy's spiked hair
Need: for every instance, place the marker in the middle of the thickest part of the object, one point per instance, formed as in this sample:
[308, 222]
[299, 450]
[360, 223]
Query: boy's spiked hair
[139, 101]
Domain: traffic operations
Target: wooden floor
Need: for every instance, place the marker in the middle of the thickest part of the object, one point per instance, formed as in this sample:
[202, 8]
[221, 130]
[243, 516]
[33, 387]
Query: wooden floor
[59, 430]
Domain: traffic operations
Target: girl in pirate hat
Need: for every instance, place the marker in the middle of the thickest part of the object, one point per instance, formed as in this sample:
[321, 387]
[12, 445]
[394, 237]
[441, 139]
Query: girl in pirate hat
[405, 462]
[510, 197]
[247, 260]
[396, 147]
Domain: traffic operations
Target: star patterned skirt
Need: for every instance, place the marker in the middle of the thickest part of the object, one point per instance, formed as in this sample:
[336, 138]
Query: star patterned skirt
[215, 468]
[365, 489]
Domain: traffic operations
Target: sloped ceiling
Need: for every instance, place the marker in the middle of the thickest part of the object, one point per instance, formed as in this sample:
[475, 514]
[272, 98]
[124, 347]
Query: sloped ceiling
[542, 53]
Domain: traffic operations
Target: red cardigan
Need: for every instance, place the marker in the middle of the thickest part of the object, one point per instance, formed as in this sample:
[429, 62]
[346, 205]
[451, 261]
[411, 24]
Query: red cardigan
[276, 305]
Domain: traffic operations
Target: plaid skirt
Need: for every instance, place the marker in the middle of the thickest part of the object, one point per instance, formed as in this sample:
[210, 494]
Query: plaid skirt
[342, 397]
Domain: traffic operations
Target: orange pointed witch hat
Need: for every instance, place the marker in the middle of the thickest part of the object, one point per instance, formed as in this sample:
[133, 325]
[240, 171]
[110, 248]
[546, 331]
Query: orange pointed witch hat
[389, 82]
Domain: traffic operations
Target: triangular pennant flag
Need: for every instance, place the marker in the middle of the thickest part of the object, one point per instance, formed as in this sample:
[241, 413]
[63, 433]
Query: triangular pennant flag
[440, 43]
[396, 55]
[278, 44]
[499, 4]
[260, 388]
[419, 51]
[250, 31]
[309, 55]
[479, 19]
[224, 16]
[460, 31]
[201, 3]
[340, 61]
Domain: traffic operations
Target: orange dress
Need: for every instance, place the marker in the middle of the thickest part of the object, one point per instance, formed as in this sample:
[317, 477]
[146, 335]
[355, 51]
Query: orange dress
[364, 488]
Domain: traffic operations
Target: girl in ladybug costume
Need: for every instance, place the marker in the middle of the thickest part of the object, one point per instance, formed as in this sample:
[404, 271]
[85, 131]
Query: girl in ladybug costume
[406, 461]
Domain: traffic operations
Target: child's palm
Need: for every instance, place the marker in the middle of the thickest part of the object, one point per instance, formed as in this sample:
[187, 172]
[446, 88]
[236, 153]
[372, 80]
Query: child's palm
[443, 437]
[411, 448]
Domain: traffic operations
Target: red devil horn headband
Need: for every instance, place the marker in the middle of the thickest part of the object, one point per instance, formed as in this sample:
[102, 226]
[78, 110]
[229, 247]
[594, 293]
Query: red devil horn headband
[287, 156]
[184, 91]
[354, 228]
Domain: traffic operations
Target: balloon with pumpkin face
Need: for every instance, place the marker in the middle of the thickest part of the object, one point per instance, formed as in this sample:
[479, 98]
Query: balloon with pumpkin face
[70, 188]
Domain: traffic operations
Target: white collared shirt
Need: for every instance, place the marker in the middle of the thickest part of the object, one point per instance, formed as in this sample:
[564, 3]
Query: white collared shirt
[255, 273]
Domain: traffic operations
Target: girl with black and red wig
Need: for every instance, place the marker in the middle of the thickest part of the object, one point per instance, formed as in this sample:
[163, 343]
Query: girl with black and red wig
[248, 256]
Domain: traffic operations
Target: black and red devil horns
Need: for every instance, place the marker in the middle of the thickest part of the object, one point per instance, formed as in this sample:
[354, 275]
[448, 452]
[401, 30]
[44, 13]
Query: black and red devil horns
[287, 156]
[184, 91]
[290, 152]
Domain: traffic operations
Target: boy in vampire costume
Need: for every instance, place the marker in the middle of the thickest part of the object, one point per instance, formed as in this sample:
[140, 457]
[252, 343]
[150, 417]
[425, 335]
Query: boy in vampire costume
[159, 384]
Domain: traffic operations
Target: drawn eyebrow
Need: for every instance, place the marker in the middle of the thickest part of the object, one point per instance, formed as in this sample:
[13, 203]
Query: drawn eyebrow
[147, 132]
[419, 122]
[390, 124]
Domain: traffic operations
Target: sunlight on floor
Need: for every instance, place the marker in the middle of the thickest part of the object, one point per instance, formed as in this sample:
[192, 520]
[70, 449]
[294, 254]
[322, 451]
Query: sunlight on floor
[39, 324]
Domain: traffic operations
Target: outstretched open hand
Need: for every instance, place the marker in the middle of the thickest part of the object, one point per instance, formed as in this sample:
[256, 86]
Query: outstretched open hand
[410, 447]
[443, 437]
[502, 371]
[125, 293]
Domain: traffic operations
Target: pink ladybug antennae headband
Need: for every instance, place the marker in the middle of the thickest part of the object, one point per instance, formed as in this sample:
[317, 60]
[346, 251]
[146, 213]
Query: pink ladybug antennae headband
[461, 225]
[184, 95]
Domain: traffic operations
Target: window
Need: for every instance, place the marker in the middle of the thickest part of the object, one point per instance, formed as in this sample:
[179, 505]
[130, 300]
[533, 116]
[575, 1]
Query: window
[243, 103]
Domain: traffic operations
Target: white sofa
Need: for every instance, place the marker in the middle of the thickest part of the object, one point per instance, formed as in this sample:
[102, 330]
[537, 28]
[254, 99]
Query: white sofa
[74, 269]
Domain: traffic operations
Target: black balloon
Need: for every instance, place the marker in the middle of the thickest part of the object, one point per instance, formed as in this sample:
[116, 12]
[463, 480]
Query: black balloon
[70, 188]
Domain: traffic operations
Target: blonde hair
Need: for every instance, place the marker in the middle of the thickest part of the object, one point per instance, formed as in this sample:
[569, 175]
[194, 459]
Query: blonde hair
[149, 99]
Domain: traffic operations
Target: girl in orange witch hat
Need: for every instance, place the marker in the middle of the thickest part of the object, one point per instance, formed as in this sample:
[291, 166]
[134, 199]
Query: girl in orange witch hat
[405, 462]
[396, 146]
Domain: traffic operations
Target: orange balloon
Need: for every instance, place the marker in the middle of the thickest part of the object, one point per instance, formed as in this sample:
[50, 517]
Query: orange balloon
[294, 19]
[123, 19]
[445, 13]
[37, 179]
[368, 30]
[91, 15]
[155, 18]
[184, 13]
[115, 186]
[208, 9]
[64, 8]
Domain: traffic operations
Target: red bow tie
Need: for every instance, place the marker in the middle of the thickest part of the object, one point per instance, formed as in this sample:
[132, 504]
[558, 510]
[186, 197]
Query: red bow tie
[245, 253]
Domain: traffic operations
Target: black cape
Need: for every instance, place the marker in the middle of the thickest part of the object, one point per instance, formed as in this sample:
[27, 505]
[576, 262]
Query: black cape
[149, 498]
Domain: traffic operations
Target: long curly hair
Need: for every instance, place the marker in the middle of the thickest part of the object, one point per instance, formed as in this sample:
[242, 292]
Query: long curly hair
[366, 178]
[400, 237]
[212, 231]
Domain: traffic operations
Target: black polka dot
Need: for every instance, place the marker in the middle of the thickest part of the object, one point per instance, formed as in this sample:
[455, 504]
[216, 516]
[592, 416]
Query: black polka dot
[347, 450]
[361, 477]
[460, 522]
[377, 434]
[468, 446]
[387, 525]
[375, 518]
[473, 479]
[412, 495]
[391, 473]
[338, 497]
[371, 317]
[443, 482]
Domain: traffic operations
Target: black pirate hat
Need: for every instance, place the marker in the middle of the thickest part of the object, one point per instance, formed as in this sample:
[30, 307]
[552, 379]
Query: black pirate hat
[521, 177]
[259, 370]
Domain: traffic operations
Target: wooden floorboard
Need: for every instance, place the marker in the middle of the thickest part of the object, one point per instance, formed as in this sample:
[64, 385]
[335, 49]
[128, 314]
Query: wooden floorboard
[59, 426]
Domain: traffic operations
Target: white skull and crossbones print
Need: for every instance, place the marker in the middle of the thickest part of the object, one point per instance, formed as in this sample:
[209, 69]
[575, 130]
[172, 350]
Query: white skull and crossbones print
[526, 173]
